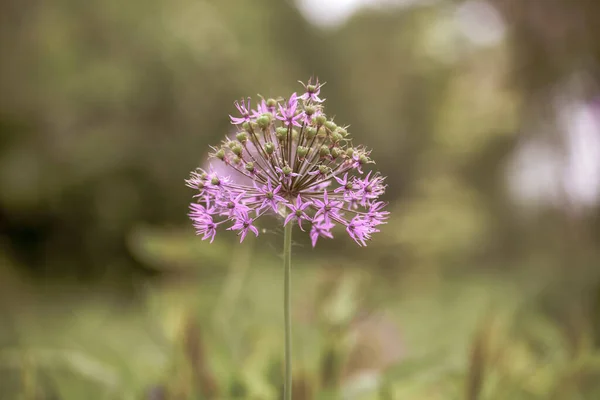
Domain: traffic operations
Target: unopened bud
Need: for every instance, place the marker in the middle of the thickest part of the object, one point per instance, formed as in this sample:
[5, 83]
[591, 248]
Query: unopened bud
[271, 103]
[215, 181]
[311, 133]
[349, 151]
[323, 169]
[269, 148]
[336, 152]
[320, 119]
[324, 151]
[336, 137]
[249, 167]
[286, 170]
[330, 125]
[236, 160]
[242, 137]
[342, 132]
[237, 149]
[246, 126]
[302, 151]
[264, 120]
[363, 159]
[220, 154]
[310, 110]
[281, 133]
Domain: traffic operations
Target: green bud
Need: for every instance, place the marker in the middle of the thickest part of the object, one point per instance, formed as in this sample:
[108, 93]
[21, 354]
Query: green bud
[220, 154]
[302, 151]
[271, 103]
[264, 120]
[336, 152]
[286, 170]
[320, 119]
[250, 167]
[331, 125]
[215, 181]
[349, 151]
[269, 148]
[242, 137]
[324, 151]
[237, 149]
[311, 88]
[200, 185]
[363, 159]
[323, 169]
[295, 133]
[246, 126]
[336, 137]
[310, 133]
[342, 132]
[310, 110]
[281, 133]
[236, 160]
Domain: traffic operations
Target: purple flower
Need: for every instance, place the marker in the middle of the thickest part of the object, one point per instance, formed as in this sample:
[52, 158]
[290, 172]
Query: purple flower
[347, 187]
[360, 230]
[232, 204]
[244, 111]
[312, 92]
[203, 222]
[263, 108]
[269, 197]
[297, 212]
[370, 188]
[287, 158]
[288, 115]
[327, 208]
[320, 228]
[243, 223]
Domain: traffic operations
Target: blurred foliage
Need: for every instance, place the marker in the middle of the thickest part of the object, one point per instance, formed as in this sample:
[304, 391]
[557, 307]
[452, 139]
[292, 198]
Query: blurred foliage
[105, 106]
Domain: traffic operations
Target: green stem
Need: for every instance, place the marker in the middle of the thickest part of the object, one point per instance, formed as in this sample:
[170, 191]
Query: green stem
[287, 266]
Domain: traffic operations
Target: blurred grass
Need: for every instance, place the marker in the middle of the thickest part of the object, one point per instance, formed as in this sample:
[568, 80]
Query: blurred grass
[216, 334]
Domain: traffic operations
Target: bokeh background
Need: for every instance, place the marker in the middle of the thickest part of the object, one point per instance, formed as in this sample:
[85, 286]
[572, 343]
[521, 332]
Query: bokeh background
[485, 283]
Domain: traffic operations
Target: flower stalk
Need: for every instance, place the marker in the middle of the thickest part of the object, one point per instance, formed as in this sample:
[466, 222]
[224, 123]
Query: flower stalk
[288, 159]
[287, 314]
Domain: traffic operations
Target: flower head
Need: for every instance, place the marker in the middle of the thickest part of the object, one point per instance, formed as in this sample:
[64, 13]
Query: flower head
[296, 164]
[244, 110]
[312, 91]
[297, 212]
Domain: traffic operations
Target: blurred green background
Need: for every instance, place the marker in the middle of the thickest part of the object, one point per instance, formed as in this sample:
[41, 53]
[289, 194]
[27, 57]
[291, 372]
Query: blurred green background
[485, 283]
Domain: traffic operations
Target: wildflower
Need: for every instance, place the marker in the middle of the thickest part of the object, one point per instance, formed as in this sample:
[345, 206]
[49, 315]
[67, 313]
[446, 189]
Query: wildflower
[244, 110]
[295, 163]
[297, 212]
[328, 209]
[289, 159]
[320, 228]
[312, 91]
[203, 221]
[243, 223]
[288, 114]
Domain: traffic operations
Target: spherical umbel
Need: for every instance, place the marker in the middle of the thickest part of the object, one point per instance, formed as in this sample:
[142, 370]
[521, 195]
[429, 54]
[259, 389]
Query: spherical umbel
[298, 161]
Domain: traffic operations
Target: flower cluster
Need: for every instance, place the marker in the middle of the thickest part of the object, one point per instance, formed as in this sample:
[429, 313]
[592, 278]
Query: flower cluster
[300, 165]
